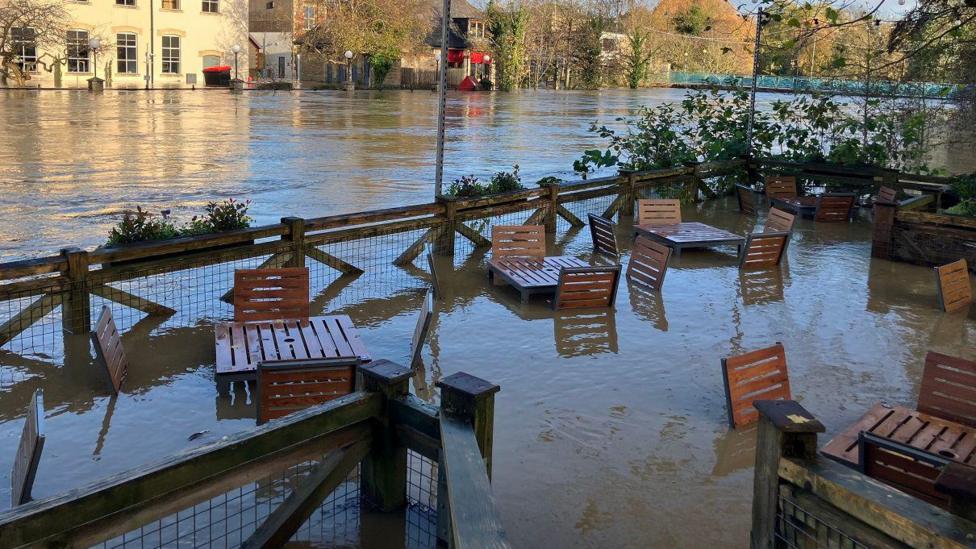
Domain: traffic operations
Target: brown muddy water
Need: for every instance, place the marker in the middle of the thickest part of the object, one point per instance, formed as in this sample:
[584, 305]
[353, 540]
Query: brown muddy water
[613, 438]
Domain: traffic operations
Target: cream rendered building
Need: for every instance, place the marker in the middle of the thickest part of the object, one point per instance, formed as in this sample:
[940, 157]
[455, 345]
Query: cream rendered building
[171, 41]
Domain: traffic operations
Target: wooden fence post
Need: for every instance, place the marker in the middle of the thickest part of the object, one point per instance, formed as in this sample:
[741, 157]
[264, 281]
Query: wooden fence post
[296, 235]
[76, 307]
[472, 398]
[383, 475]
[785, 430]
[629, 189]
[551, 215]
[882, 231]
[443, 236]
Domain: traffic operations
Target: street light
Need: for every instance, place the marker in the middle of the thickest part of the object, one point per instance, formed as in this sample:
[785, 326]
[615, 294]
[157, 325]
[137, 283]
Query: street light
[350, 85]
[94, 44]
[236, 48]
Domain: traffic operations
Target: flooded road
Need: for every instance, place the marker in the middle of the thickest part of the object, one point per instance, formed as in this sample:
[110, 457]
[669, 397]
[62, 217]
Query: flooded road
[609, 431]
[70, 162]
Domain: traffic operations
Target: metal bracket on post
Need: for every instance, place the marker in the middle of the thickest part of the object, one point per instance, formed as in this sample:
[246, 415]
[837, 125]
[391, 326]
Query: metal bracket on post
[383, 476]
[296, 235]
[786, 429]
[76, 307]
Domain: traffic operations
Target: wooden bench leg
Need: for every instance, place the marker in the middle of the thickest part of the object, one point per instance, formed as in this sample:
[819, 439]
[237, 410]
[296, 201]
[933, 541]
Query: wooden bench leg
[525, 297]
[496, 280]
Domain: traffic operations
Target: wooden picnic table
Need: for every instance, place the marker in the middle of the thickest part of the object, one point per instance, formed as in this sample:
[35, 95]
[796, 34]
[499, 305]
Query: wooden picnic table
[805, 206]
[242, 345]
[531, 275]
[690, 235]
[916, 429]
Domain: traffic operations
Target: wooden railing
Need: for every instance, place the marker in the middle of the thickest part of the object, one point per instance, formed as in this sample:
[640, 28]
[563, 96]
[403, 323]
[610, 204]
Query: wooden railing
[373, 427]
[801, 499]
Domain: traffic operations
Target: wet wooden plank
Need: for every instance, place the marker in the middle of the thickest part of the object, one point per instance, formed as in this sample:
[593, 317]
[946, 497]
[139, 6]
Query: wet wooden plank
[28, 452]
[241, 345]
[690, 234]
[538, 275]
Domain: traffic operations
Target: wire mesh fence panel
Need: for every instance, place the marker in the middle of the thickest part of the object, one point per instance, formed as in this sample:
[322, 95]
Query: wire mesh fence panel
[798, 526]
[229, 519]
[421, 513]
[464, 247]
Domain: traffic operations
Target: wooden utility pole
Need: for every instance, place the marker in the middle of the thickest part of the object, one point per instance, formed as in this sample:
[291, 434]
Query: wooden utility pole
[442, 101]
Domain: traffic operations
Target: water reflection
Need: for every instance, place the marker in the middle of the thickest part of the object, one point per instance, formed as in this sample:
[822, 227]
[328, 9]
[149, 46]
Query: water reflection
[762, 286]
[735, 450]
[648, 305]
[585, 332]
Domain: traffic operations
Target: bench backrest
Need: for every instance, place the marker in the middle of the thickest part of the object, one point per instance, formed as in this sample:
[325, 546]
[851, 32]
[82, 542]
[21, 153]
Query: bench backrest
[603, 235]
[108, 346]
[284, 387]
[901, 466]
[948, 388]
[270, 294]
[778, 221]
[955, 291]
[648, 262]
[834, 207]
[748, 200]
[764, 250]
[420, 331]
[757, 375]
[781, 186]
[587, 287]
[887, 195]
[518, 241]
[28, 452]
[658, 211]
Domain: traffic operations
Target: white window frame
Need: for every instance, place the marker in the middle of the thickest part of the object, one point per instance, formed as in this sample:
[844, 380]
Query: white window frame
[172, 56]
[173, 4]
[127, 53]
[78, 44]
[210, 6]
[25, 49]
[309, 17]
[126, 3]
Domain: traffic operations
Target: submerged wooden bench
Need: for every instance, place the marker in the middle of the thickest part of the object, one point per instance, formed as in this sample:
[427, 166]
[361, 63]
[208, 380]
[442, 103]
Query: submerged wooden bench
[778, 221]
[269, 294]
[747, 199]
[108, 347]
[648, 263]
[757, 375]
[764, 250]
[603, 236]
[690, 235]
[781, 186]
[587, 287]
[28, 452]
[530, 275]
[834, 207]
[955, 291]
[287, 386]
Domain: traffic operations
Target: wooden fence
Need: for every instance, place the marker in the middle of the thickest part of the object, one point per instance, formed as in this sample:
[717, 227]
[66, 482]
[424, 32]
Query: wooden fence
[804, 500]
[372, 428]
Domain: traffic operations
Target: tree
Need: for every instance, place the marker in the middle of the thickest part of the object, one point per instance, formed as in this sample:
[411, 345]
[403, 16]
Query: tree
[508, 26]
[637, 60]
[36, 24]
[381, 29]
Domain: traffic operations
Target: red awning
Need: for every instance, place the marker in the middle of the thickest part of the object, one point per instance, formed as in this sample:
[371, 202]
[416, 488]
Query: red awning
[455, 56]
[477, 57]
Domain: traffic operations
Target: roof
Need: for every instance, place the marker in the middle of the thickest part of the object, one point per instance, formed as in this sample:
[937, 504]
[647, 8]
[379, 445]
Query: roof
[460, 9]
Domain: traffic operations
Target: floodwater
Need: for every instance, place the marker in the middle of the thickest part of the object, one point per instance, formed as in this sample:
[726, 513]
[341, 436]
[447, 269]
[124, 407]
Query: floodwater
[610, 430]
[70, 162]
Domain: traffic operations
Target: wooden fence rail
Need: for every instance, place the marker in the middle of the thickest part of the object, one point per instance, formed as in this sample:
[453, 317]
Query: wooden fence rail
[803, 500]
[373, 427]
[69, 279]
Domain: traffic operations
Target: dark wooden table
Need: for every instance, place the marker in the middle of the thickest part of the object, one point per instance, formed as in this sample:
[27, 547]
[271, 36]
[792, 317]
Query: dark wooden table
[531, 275]
[242, 345]
[925, 432]
[805, 206]
[690, 235]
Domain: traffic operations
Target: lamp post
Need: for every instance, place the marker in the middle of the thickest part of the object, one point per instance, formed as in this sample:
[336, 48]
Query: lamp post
[95, 84]
[236, 85]
[350, 84]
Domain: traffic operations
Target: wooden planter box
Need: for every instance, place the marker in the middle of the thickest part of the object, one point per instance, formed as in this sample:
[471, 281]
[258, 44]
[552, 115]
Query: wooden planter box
[926, 238]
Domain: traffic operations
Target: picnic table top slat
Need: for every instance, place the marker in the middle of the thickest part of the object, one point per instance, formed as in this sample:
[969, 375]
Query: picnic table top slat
[241, 345]
[689, 233]
[911, 427]
[533, 273]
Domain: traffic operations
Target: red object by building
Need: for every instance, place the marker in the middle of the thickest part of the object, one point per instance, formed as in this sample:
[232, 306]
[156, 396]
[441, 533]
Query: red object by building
[467, 84]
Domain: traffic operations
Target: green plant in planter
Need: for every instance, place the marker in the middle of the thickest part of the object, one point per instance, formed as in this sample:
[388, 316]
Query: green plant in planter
[141, 226]
[503, 182]
[467, 186]
[548, 180]
[965, 188]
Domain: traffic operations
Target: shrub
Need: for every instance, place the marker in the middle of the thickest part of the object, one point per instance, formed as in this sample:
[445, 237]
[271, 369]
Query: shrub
[141, 226]
[548, 180]
[228, 215]
[506, 181]
[467, 186]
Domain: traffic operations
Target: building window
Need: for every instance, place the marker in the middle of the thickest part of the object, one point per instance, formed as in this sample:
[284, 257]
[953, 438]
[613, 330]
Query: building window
[78, 51]
[211, 61]
[171, 55]
[128, 61]
[25, 48]
[269, 5]
[125, 2]
[171, 4]
[476, 29]
[211, 6]
[309, 17]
